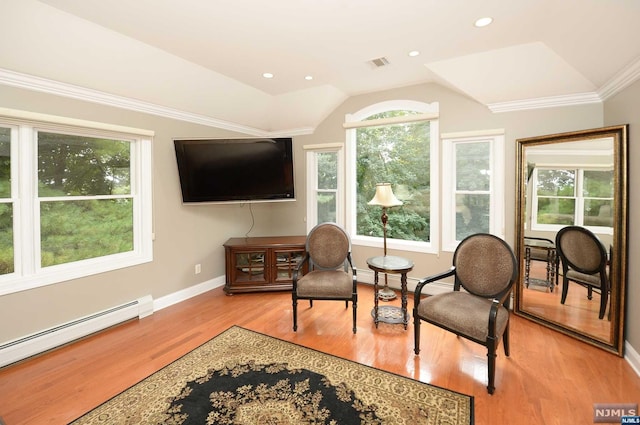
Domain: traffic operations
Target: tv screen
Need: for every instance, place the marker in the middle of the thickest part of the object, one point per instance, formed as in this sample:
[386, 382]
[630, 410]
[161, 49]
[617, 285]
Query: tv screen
[235, 170]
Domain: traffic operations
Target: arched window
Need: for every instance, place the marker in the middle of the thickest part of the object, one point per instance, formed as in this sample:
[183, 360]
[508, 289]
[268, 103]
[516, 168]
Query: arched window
[394, 142]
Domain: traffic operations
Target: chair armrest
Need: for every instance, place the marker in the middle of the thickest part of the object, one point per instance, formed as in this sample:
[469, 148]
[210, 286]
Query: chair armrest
[298, 269]
[354, 272]
[430, 279]
[493, 313]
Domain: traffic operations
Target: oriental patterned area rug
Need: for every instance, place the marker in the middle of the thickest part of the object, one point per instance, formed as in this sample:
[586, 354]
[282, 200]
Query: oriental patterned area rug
[244, 377]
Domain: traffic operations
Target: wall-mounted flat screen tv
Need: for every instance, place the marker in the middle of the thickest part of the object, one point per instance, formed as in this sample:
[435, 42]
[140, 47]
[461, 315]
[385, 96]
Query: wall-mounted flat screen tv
[235, 170]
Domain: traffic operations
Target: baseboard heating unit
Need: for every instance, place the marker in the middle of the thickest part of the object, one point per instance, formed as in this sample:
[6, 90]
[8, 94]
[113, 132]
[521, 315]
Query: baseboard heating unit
[47, 339]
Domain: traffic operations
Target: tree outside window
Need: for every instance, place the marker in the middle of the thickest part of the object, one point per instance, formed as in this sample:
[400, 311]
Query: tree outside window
[6, 204]
[597, 192]
[472, 188]
[574, 196]
[75, 200]
[556, 190]
[84, 188]
[397, 154]
[472, 185]
[327, 175]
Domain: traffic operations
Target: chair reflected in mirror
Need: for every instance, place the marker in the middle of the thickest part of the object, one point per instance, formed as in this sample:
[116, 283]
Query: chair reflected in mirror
[584, 261]
[544, 250]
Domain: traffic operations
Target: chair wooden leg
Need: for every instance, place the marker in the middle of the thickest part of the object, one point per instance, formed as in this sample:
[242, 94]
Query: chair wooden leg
[355, 304]
[416, 334]
[603, 303]
[565, 288]
[505, 340]
[491, 362]
[295, 314]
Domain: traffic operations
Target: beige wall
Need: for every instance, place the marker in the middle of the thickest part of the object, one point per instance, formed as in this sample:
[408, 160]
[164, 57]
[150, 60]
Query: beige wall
[624, 108]
[457, 114]
[186, 235]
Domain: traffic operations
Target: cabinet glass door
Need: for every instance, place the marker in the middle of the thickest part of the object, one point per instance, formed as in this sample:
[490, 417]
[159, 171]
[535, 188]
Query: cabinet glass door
[250, 266]
[286, 260]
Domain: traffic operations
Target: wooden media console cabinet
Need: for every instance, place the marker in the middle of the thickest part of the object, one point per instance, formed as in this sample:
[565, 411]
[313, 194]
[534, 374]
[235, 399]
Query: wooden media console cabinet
[260, 264]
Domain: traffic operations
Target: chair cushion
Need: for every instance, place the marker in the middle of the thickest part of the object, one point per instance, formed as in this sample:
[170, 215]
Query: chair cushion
[463, 313]
[590, 279]
[539, 254]
[326, 284]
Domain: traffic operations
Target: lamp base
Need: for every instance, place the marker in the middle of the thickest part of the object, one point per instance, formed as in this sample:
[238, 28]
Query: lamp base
[386, 293]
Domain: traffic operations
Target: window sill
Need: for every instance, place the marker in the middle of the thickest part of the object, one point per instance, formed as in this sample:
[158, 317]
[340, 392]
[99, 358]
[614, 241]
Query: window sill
[395, 244]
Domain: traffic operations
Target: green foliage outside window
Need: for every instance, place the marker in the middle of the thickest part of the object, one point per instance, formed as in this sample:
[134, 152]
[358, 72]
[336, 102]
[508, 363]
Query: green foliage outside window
[79, 230]
[327, 185]
[6, 208]
[82, 166]
[557, 197]
[75, 229]
[473, 184]
[598, 191]
[396, 154]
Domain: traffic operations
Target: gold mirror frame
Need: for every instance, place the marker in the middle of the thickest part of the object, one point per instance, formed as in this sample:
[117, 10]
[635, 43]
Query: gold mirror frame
[618, 261]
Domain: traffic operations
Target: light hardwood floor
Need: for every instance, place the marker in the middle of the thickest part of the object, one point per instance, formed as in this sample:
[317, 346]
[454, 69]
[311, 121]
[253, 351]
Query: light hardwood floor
[578, 312]
[548, 379]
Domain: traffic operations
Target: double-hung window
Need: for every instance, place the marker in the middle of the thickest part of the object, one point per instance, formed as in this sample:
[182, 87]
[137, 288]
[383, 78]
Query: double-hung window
[75, 199]
[325, 183]
[394, 142]
[579, 196]
[472, 192]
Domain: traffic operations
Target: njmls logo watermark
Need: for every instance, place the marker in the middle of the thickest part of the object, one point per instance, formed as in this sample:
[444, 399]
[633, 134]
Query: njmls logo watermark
[620, 413]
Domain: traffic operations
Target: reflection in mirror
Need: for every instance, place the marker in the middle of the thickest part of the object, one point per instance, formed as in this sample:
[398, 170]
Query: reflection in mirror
[573, 179]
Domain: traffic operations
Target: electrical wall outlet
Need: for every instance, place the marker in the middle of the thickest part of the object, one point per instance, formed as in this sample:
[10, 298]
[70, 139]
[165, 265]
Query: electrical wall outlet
[198, 269]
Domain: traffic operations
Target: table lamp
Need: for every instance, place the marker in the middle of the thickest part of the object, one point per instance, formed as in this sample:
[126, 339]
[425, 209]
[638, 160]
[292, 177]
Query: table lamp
[385, 198]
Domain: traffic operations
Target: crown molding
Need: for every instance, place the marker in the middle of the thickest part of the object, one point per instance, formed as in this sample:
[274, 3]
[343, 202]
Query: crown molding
[30, 82]
[545, 102]
[624, 78]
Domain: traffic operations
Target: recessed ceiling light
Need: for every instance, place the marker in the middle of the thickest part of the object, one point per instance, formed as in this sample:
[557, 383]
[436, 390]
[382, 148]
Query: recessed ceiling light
[267, 75]
[414, 53]
[308, 78]
[483, 22]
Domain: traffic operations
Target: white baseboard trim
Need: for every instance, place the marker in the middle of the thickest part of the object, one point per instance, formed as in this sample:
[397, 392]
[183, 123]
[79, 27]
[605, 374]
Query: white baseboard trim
[185, 294]
[632, 357]
[39, 342]
[30, 345]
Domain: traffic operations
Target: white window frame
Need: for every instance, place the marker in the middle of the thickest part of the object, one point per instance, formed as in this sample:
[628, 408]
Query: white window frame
[578, 218]
[312, 152]
[24, 193]
[426, 111]
[496, 191]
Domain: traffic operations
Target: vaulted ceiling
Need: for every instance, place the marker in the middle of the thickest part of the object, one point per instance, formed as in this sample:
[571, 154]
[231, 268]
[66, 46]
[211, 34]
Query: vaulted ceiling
[206, 58]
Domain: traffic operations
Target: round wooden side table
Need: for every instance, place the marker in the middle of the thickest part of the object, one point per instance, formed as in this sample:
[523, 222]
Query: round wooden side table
[392, 265]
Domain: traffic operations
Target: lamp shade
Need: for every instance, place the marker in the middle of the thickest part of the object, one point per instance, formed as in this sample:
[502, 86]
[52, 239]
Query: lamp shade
[384, 196]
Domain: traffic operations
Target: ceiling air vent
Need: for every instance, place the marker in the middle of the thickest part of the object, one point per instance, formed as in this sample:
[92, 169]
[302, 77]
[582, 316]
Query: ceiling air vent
[379, 62]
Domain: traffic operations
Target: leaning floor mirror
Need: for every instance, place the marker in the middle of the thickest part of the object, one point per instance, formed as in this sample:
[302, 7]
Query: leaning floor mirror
[576, 179]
